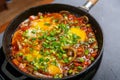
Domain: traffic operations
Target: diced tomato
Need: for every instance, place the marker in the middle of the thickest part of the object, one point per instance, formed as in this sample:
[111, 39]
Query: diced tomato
[84, 28]
[15, 47]
[86, 63]
[71, 17]
[56, 15]
[31, 18]
[17, 36]
[15, 61]
[88, 56]
[94, 54]
[25, 28]
[80, 49]
[83, 19]
[79, 20]
[77, 64]
[19, 58]
[89, 29]
[80, 54]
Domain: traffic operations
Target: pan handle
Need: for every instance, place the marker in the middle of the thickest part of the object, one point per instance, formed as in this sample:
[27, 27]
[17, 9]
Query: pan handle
[89, 4]
[6, 72]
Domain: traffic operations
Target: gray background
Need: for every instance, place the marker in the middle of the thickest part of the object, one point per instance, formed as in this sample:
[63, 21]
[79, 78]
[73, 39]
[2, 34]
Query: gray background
[107, 13]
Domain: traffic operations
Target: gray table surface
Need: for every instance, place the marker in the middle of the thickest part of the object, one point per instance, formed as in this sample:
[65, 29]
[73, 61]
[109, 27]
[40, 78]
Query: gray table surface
[107, 13]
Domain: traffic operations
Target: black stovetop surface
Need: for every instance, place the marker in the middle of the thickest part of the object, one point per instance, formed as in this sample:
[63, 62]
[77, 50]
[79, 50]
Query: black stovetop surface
[7, 72]
[2, 57]
[4, 67]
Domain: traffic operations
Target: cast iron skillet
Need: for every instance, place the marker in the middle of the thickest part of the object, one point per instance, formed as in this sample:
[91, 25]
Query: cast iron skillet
[56, 8]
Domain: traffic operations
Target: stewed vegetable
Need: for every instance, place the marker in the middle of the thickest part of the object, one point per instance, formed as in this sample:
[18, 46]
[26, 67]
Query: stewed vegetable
[54, 45]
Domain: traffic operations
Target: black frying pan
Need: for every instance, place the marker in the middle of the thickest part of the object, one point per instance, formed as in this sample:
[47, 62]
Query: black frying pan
[86, 74]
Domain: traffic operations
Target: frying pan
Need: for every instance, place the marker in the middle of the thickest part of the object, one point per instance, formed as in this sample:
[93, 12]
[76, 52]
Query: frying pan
[78, 11]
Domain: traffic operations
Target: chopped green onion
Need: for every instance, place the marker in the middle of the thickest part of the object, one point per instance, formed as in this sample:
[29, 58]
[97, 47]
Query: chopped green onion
[44, 36]
[70, 58]
[45, 45]
[53, 33]
[52, 51]
[35, 68]
[58, 76]
[70, 71]
[81, 60]
[47, 60]
[64, 27]
[54, 63]
[41, 17]
[20, 54]
[92, 59]
[50, 38]
[31, 49]
[65, 55]
[96, 47]
[33, 31]
[33, 39]
[86, 52]
[47, 53]
[66, 60]
[79, 67]
[88, 25]
[59, 56]
[47, 24]
[40, 37]
[41, 60]
[91, 40]
[65, 16]
[86, 43]
[55, 20]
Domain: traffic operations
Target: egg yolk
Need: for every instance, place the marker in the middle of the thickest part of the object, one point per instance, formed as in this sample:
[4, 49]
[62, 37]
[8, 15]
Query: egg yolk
[54, 70]
[43, 24]
[79, 33]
